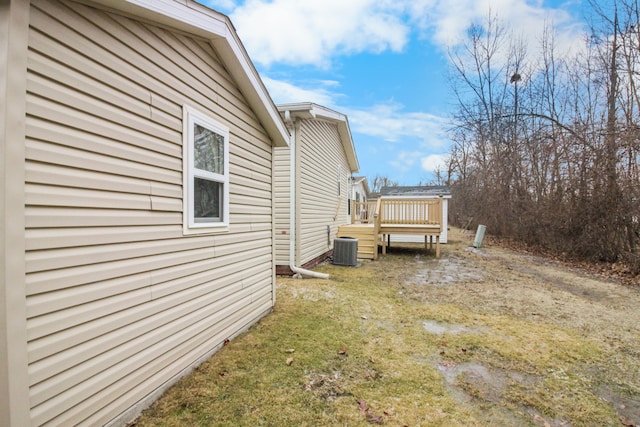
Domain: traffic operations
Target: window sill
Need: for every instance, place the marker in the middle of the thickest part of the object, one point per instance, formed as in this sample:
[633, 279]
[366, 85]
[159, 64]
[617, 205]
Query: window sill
[198, 231]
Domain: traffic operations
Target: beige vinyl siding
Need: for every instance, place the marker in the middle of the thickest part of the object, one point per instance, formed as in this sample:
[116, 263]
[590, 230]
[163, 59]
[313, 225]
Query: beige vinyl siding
[282, 200]
[14, 388]
[118, 300]
[320, 154]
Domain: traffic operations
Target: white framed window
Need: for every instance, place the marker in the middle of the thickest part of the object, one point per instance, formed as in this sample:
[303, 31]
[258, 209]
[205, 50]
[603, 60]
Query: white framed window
[205, 171]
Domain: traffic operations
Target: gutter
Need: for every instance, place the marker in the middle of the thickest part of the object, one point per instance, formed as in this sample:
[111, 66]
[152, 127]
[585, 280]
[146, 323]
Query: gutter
[292, 203]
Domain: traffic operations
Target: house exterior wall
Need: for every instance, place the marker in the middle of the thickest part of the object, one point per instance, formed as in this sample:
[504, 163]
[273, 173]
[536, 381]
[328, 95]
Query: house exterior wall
[358, 192]
[320, 157]
[118, 301]
[14, 27]
[282, 203]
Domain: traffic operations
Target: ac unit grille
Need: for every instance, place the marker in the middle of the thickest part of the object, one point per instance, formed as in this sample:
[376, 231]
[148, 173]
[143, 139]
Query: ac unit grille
[345, 251]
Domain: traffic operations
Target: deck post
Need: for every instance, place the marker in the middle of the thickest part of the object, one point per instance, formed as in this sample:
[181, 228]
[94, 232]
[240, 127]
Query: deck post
[377, 216]
[352, 207]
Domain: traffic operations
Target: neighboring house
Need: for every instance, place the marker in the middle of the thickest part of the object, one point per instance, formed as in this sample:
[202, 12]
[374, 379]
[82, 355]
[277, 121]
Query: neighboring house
[419, 192]
[311, 192]
[359, 189]
[136, 204]
[359, 192]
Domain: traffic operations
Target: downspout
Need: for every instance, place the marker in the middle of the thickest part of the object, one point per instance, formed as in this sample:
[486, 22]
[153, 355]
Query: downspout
[292, 203]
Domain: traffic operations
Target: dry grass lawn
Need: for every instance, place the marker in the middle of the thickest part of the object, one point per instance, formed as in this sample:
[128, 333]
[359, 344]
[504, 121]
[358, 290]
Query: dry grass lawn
[484, 337]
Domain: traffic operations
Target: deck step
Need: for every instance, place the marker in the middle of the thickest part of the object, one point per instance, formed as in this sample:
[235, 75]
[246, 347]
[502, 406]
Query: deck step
[367, 244]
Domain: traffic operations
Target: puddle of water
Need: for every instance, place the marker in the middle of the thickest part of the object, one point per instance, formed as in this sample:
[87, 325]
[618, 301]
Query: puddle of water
[491, 384]
[447, 271]
[441, 328]
[472, 370]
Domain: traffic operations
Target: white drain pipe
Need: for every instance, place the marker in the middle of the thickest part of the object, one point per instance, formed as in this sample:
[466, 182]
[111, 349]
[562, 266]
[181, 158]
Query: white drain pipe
[292, 204]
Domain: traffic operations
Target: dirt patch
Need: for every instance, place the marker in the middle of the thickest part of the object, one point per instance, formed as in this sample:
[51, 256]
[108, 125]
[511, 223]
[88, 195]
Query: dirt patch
[500, 282]
[313, 294]
[327, 386]
[628, 408]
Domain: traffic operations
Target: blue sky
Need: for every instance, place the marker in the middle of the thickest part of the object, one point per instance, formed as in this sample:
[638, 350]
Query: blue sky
[383, 63]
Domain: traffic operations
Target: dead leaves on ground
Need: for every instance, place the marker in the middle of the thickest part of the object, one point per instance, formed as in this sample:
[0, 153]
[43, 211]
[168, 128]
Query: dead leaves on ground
[369, 416]
[289, 360]
[627, 422]
[329, 385]
[540, 421]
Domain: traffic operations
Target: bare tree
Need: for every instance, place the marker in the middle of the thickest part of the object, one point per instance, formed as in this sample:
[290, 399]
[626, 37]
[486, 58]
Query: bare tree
[380, 181]
[548, 152]
[484, 136]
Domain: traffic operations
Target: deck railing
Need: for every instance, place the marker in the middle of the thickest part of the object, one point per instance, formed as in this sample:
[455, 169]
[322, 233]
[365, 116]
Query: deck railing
[411, 211]
[398, 211]
[386, 216]
[363, 212]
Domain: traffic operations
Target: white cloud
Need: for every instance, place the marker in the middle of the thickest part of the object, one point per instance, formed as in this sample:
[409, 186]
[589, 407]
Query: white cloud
[315, 31]
[434, 162]
[414, 133]
[283, 92]
[405, 160]
[312, 32]
[388, 121]
[448, 20]
[391, 123]
[408, 160]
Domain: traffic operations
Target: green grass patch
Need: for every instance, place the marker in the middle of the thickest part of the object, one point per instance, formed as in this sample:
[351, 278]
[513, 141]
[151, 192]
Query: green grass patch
[361, 355]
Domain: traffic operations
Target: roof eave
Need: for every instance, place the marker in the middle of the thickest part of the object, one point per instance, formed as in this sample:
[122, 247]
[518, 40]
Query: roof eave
[310, 110]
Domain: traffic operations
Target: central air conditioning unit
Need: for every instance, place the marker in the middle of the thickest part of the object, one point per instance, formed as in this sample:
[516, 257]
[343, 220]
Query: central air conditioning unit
[345, 251]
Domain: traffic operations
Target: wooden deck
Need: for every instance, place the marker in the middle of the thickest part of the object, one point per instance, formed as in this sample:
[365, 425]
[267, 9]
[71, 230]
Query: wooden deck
[367, 238]
[374, 222]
